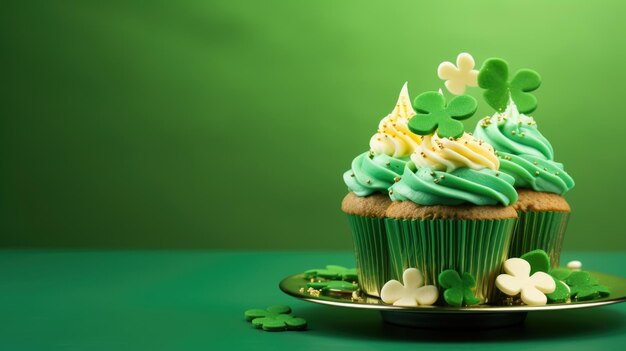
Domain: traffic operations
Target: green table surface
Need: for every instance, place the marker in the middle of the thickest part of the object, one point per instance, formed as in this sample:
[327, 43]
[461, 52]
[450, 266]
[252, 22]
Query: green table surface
[194, 300]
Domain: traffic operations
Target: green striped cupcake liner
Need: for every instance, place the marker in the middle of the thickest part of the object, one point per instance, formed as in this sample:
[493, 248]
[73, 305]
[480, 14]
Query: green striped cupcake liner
[370, 248]
[539, 230]
[478, 247]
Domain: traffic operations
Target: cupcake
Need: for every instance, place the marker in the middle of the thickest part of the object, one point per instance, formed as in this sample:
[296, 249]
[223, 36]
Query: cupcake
[451, 207]
[368, 181]
[527, 156]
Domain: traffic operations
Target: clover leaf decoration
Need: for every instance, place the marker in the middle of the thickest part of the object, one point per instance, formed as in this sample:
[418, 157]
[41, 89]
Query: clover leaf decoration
[333, 285]
[412, 292]
[333, 272]
[562, 291]
[458, 290]
[539, 261]
[494, 77]
[275, 318]
[584, 287]
[433, 114]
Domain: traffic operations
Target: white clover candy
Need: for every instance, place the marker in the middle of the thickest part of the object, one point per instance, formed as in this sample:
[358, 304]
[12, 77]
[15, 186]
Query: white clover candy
[575, 265]
[412, 293]
[518, 280]
[459, 76]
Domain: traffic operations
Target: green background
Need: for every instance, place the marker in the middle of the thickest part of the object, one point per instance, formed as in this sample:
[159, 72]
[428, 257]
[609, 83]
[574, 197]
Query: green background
[228, 124]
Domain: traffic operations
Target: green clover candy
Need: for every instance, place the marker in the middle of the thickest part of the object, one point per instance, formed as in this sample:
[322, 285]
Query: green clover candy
[538, 260]
[562, 291]
[335, 285]
[584, 287]
[494, 76]
[433, 114]
[333, 272]
[458, 291]
[275, 318]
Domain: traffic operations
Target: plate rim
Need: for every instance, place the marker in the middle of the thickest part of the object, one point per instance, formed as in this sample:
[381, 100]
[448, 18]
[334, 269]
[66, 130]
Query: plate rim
[451, 309]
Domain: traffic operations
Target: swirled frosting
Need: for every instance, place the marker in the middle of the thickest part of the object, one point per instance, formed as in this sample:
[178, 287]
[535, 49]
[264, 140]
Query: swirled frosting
[372, 173]
[448, 154]
[377, 169]
[524, 152]
[393, 137]
[426, 186]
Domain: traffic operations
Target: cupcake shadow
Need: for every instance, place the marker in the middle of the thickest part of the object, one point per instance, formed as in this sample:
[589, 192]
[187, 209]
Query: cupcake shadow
[368, 325]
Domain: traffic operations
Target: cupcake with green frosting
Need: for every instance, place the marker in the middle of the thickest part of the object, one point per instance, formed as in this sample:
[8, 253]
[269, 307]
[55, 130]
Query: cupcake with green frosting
[527, 156]
[368, 180]
[451, 208]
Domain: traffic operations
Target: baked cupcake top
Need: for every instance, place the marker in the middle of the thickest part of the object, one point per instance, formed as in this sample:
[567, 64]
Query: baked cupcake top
[524, 152]
[450, 167]
[376, 170]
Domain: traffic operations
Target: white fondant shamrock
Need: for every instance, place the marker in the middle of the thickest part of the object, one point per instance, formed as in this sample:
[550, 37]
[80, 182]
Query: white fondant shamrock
[412, 293]
[518, 280]
[459, 76]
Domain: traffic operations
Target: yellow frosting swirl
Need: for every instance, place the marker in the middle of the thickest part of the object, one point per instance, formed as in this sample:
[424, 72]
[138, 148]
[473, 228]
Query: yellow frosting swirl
[448, 154]
[394, 137]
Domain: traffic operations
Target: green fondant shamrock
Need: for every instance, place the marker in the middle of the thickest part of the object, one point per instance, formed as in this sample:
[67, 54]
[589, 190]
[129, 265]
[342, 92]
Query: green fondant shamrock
[494, 77]
[458, 291]
[539, 261]
[584, 287]
[562, 291]
[275, 318]
[335, 285]
[433, 114]
[333, 272]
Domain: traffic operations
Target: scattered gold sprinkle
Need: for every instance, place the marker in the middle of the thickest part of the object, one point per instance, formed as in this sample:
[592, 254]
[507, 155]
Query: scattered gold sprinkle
[557, 173]
[388, 163]
[369, 181]
[535, 163]
[537, 172]
[513, 132]
[396, 179]
[301, 290]
[442, 177]
[436, 180]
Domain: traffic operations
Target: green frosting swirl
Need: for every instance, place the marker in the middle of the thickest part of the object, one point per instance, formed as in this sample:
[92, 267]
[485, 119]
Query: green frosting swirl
[463, 185]
[372, 173]
[525, 154]
[536, 173]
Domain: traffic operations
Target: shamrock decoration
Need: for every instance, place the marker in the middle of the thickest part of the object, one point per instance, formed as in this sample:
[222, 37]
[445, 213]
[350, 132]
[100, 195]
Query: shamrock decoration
[459, 76]
[458, 290]
[517, 279]
[412, 293]
[334, 285]
[562, 291]
[275, 318]
[494, 76]
[583, 287]
[538, 260]
[332, 272]
[433, 114]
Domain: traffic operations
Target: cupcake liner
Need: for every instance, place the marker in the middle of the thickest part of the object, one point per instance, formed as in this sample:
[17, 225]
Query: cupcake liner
[539, 230]
[370, 248]
[478, 247]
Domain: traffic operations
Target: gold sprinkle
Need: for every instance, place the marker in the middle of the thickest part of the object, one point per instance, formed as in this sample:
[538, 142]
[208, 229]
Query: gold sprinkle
[522, 134]
[369, 181]
[545, 169]
[351, 174]
[537, 172]
[301, 290]
[535, 163]
[436, 180]
[443, 176]
[388, 163]
[390, 192]
[396, 179]
[513, 132]
[557, 173]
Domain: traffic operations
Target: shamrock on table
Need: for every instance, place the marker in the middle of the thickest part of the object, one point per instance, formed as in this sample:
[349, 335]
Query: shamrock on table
[494, 77]
[333, 272]
[459, 76]
[275, 318]
[334, 285]
[433, 114]
[458, 290]
[517, 280]
[412, 293]
[583, 287]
